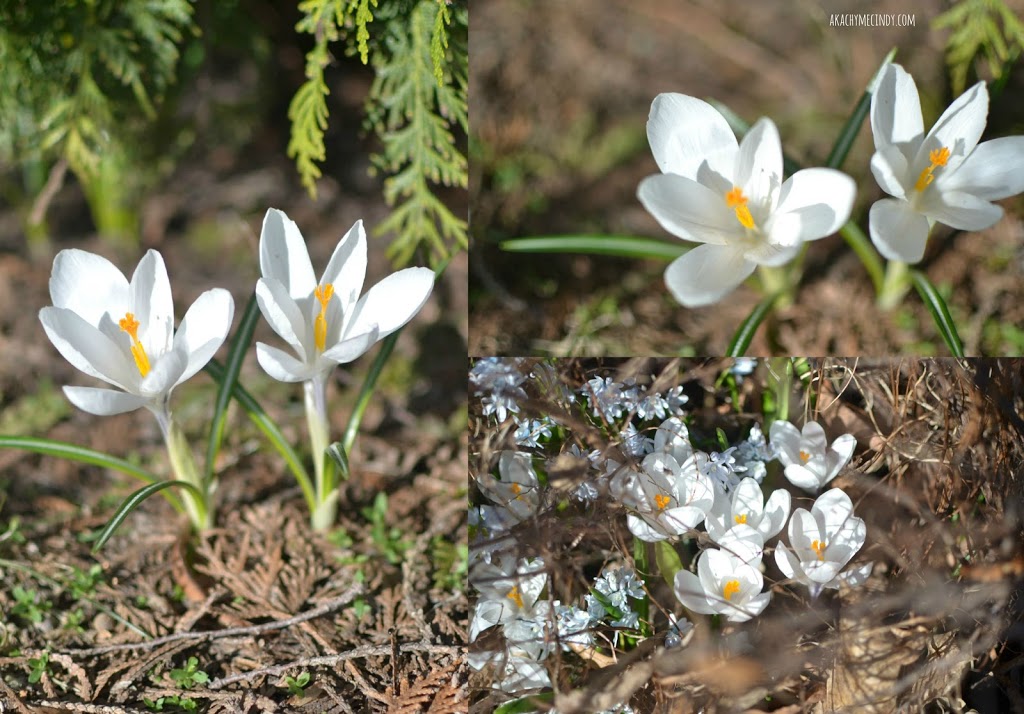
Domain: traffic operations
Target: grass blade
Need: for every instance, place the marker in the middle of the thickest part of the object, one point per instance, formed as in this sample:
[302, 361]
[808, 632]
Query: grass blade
[129, 504]
[270, 430]
[844, 142]
[236, 355]
[74, 452]
[741, 340]
[387, 346]
[619, 246]
[940, 313]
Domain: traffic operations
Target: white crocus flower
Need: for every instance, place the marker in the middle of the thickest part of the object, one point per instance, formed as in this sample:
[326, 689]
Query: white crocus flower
[123, 333]
[731, 197]
[509, 589]
[810, 462]
[673, 438]
[746, 505]
[518, 490]
[728, 581]
[944, 176]
[668, 498]
[326, 323]
[823, 541]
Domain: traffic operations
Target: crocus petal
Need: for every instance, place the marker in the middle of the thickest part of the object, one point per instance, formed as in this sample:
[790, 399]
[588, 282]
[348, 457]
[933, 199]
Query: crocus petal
[788, 563]
[690, 592]
[839, 454]
[88, 349]
[706, 274]
[151, 303]
[802, 477]
[961, 210]
[87, 283]
[752, 607]
[351, 348]
[104, 402]
[283, 255]
[813, 203]
[776, 511]
[347, 267]
[689, 210]
[284, 316]
[890, 169]
[391, 303]
[165, 373]
[992, 171]
[687, 134]
[282, 366]
[203, 329]
[820, 571]
[642, 528]
[785, 437]
[958, 129]
[896, 110]
[898, 231]
[804, 529]
[759, 167]
[834, 508]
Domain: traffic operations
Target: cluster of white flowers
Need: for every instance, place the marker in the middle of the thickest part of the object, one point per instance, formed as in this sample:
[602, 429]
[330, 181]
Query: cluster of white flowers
[731, 198]
[669, 488]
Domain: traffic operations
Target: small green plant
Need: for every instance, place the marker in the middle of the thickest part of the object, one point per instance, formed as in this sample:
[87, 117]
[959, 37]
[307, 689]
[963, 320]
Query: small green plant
[72, 621]
[82, 584]
[28, 605]
[389, 540]
[360, 607]
[297, 685]
[173, 700]
[190, 675]
[40, 665]
[451, 563]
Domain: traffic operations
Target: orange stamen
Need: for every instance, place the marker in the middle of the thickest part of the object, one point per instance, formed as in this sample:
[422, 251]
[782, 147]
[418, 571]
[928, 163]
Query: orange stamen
[515, 597]
[736, 200]
[938, 157]
[323, 296]
[731, 588]
[662, 501]
[818, 547]
[129, 324]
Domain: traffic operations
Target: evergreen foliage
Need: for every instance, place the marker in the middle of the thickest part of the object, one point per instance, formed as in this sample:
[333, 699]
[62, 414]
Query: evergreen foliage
[975, 32]
[417, 103]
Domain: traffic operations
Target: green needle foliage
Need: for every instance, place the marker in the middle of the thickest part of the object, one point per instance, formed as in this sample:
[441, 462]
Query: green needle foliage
[75, 72]
[975, 26]
[416, 104]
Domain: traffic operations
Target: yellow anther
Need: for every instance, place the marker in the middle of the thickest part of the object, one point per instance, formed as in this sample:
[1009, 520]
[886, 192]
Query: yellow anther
[515, 597]
[736, 200]
[662, 501]
[323, 296]
[129, 324]
[804, 456]
[517, 490]
[742, 518]
[938, 157]
[731, 588]
[818, 547]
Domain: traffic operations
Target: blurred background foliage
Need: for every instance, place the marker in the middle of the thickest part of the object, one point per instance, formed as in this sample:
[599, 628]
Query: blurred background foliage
[119, 93]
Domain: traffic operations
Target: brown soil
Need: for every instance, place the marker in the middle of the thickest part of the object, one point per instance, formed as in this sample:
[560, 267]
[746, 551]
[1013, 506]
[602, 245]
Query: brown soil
[561, 93]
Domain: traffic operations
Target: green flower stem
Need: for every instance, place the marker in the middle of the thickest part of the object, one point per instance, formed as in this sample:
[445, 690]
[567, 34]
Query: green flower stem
[777, 281]
[326, 509]
[643, 567]
[897, 283]
[199, 508]
[861, 245]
